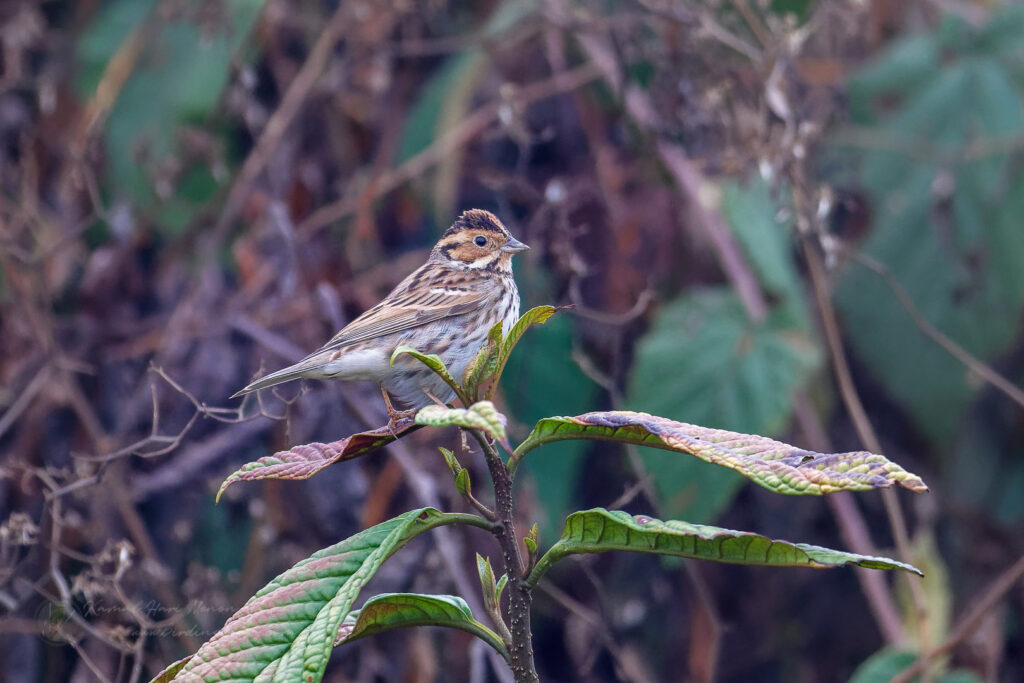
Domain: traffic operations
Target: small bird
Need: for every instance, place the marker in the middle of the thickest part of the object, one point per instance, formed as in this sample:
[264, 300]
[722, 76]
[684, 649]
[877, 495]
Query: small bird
[447, 307]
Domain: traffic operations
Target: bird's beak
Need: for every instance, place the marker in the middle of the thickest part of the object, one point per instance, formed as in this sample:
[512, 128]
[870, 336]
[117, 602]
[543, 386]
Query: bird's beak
[514, 246]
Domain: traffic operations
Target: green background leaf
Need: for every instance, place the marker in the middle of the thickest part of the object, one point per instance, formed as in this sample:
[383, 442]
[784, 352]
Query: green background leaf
[964, 275]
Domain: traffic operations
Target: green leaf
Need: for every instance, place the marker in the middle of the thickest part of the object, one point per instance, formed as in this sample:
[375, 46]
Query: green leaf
[434, 362]
[490, 589]
[453, 464]
[492, 595]
[431, 360]
[772, 464]
[98, 43]
[703, 361]
[535, 316]
[391, 611]
[991, 476]
[531, 539]
[538, 315]
[220, 538]
[287, 630]
[302, 462]
[481, 415]
[462, 484]
[530, 544]
[481, 367]
[600, 530]
[908, 62]
[486, 572]
[799, 8]
[886, 664]
[1001, 36]
[763, 227]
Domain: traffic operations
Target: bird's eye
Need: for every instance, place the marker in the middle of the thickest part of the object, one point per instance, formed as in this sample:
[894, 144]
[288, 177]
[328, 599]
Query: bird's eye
[480, 240]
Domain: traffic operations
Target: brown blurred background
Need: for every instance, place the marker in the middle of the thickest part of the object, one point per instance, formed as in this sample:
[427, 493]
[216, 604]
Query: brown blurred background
[738, 196]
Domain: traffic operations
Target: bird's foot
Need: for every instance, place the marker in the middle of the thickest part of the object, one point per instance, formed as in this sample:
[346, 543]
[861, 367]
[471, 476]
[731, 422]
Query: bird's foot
[396, 418]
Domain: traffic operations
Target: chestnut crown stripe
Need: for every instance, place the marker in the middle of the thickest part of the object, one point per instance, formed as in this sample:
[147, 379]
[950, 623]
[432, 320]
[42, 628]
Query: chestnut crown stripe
[476, 219]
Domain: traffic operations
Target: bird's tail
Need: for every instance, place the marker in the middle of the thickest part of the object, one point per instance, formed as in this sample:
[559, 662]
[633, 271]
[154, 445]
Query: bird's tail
[300, 369]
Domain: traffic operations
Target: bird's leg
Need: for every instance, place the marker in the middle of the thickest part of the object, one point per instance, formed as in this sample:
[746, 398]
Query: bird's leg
[395, 416]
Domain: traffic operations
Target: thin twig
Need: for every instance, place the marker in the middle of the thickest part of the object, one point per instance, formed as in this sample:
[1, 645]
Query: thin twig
[754, 23]
[487, 512]
[194, 459]
[64, 598]
[972, 362]
[855, 408]
[854, 532]
[25, 397]
[639, 307]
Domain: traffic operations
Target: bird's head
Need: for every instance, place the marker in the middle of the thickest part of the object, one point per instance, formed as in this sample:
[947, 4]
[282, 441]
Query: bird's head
[477, 241]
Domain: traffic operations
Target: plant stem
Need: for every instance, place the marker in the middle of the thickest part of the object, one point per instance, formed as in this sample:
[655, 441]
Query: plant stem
[521, 648]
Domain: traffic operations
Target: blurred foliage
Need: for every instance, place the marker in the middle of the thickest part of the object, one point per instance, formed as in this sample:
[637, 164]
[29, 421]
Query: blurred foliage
[949, 192]
[123, 123]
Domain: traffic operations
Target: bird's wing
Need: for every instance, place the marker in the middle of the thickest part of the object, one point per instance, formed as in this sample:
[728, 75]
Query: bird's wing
[405, 311]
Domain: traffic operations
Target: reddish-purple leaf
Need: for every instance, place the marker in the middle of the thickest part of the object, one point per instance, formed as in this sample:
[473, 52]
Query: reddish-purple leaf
[302, 462]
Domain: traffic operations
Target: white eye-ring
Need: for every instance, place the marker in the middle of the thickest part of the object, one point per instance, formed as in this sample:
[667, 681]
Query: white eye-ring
[480, 240]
